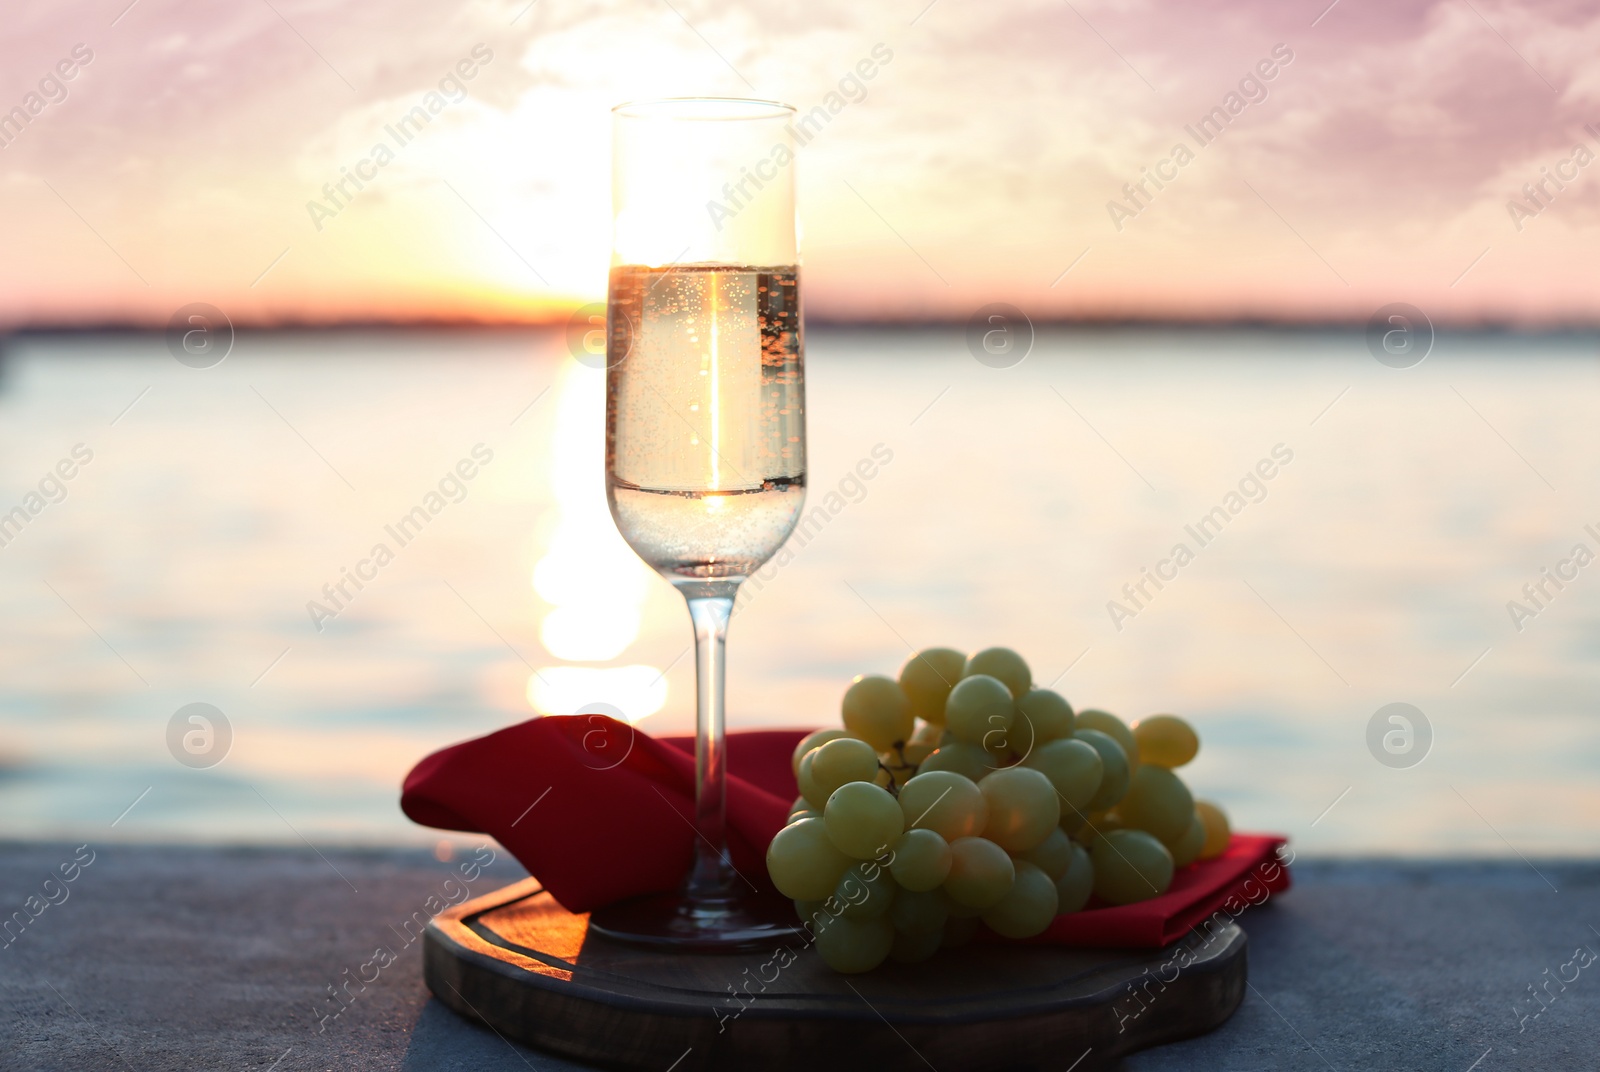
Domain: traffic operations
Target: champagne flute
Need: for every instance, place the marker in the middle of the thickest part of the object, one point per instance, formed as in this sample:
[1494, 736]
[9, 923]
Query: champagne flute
[705, 427]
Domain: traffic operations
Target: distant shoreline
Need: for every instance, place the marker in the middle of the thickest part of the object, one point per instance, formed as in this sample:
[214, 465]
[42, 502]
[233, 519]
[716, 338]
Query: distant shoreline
[1560, 329]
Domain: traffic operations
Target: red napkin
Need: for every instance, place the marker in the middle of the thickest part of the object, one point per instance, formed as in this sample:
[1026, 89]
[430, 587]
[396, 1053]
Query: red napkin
[600, 812]
[1247, 873]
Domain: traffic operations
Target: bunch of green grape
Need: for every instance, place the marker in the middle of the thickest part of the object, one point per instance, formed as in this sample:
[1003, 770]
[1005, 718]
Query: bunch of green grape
[961, 794]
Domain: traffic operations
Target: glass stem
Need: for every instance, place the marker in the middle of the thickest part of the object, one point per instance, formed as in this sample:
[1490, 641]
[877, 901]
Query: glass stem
[712, 876]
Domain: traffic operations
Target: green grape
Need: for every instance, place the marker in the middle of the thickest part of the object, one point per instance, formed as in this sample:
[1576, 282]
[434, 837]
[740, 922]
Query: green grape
[865, 891]
[915, 752]
[1027, 908]
[1023, 808]
[1074, 887]
[1218, 833]
[949, 804]
[919, 912]
[958, 931]
[808, 910]
[804, 813]
[921, 860]
[1114, 767]
[1047, 713]
[914, 948]
[1112, 727]
[1187, 848]
[968, 760]
[803, 862]
[1074, 768]
[1004, 664]
[800, 804]
[1052, 855]
[980, 872]
[979, 711]
[944, 802]
[854, 945]
[863, 820]
[955, 909]
[1158, 803]
[1165, 740]
[1007, 748]
[1073, 822]
[877, 711]
[1129, 866]
[815, 739]
[927, 678]
[839, 762]
[809, 789]
[892, 772]
[930, 733]
[1098, 825]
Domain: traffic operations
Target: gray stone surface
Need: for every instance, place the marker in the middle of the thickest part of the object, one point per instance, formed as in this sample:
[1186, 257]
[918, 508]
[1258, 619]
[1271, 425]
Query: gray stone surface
[204, 958]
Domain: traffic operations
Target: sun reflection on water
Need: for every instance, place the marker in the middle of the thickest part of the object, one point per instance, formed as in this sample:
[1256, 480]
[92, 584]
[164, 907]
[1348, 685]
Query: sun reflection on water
[593, 582]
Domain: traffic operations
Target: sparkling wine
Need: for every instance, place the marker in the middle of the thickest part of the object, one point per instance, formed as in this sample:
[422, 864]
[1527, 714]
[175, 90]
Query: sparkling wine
[705, 435]
[705, 415]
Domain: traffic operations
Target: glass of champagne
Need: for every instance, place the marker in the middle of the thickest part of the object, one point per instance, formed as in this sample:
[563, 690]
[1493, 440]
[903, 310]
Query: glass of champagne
[705, 427]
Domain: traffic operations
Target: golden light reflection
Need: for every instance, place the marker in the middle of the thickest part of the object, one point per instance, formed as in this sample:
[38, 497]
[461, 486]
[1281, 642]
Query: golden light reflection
[637, 691]
[594, 584]
[716, 393]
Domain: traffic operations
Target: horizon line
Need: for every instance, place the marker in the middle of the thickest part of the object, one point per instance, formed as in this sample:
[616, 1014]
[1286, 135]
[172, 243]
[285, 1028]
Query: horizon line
[1457, 324]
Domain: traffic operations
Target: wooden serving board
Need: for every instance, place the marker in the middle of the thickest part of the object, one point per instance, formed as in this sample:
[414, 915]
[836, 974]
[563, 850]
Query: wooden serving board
[518, 961]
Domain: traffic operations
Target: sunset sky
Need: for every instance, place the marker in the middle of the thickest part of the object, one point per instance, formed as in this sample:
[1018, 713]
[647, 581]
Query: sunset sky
[1379, 162]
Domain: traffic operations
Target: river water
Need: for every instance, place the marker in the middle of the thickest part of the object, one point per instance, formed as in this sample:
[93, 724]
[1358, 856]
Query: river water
[197, 557]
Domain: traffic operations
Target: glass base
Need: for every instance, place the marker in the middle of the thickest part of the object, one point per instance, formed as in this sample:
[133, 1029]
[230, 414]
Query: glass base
[673, 921]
